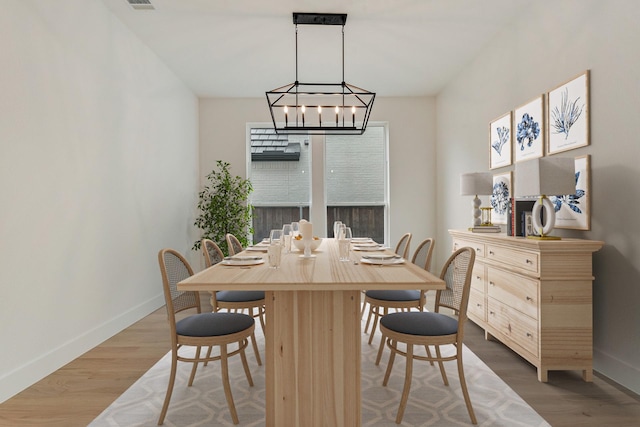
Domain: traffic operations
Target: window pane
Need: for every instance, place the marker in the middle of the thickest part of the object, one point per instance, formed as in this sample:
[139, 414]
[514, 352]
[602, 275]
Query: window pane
[355, 182]
[280, 178]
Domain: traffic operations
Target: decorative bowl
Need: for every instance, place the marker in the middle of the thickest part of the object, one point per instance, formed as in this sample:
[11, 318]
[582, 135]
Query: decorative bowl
[299, 244]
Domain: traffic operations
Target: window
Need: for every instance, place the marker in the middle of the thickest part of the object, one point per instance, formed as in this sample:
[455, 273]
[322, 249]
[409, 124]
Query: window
[355, 180]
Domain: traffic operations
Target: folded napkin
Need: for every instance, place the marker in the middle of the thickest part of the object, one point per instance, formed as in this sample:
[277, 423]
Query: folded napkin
[381, 257]
[242, 258]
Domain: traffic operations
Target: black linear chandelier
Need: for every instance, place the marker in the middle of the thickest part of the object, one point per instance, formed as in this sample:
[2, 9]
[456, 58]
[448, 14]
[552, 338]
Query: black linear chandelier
[320, 108]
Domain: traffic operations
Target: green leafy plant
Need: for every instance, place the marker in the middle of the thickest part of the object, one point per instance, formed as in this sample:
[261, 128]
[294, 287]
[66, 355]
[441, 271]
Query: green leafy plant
[224, 208]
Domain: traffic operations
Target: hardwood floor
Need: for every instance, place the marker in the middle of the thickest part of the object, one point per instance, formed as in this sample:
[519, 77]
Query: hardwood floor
[78, 392]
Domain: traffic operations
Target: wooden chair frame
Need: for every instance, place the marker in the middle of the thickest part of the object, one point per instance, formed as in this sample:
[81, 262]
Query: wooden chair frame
[236, 306]
[179, 341]
[378, 307]
[392, 338]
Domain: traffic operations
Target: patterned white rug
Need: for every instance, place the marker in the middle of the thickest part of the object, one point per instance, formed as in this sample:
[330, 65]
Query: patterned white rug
[430, 403]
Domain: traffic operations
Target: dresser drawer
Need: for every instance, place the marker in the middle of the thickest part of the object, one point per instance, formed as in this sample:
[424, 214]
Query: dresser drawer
[478, 277]
[515, 258]
[513, 290]
[512, 326]
[477, 308]
[479, 247]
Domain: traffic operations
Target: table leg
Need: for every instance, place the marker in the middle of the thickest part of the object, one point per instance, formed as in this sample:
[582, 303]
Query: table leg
[313, 358]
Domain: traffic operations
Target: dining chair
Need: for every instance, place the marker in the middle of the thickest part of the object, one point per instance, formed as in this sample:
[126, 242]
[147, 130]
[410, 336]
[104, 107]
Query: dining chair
[433, 328]
[380, 301]
[233, 244]
[402, 247]
[200, 329]
[234, 300]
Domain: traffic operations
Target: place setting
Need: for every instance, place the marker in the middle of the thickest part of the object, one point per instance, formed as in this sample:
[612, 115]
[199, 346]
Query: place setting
[242, 260]
[382, 259]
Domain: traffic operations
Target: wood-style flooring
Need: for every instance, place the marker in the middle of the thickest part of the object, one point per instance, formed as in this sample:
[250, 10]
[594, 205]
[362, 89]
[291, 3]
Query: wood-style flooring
[78, 392]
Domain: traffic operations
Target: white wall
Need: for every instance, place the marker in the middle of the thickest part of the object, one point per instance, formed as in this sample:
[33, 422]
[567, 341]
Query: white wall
[553, 41]
[411, 152]
[98, 171]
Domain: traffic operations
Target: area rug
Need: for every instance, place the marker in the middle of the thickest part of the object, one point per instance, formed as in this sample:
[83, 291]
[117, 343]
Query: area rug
[430, 403]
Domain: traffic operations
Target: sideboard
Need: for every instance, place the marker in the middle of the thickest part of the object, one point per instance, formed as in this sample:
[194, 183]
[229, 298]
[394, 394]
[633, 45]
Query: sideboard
[534, 296]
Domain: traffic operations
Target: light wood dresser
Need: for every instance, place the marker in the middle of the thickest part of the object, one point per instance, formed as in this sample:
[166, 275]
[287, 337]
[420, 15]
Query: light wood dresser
[535, 297]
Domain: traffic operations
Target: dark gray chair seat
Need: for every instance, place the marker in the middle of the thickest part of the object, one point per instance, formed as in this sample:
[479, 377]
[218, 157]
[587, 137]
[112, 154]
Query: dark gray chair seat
[423, 323]
[213, 324]
[394, 295]
[239, 296]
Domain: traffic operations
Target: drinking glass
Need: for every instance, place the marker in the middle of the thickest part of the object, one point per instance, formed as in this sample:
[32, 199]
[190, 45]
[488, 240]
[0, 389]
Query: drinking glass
[336, 227]
[344, 243]
[295, 228]
[274, 251]
[287, 234]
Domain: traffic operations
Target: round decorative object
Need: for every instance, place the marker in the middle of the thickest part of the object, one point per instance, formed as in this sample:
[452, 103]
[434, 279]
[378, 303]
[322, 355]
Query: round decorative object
[543, 204]
[299, 244]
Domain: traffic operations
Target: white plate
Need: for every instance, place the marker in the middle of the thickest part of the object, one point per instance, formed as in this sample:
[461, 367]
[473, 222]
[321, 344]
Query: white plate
[392, 261]
[243, 260]
[367, 248]
[258, 248]
[362, 240]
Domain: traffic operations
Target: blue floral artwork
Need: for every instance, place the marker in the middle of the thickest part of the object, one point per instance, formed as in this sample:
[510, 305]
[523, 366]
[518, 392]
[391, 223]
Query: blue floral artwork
[568, 115]
[572, 210]
[500, 198]
[500, 141]
[528, 133]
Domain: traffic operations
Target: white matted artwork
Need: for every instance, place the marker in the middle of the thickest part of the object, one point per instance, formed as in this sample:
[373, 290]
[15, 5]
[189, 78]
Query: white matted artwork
[500, 141]
[501, 197]
[574, 210]
[528, 141]
[568, 115]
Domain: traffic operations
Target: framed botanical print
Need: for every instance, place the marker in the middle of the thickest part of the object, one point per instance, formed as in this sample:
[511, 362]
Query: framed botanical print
[568, 115]
[500, 141]
[528, 140]
[574, 210]
[501, 197]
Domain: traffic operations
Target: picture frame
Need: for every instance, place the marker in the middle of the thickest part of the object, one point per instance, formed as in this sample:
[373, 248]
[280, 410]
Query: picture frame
[528, 130]
[500, 141]
[528, 224]
[568, 115]
[501, 197]
[573, 211]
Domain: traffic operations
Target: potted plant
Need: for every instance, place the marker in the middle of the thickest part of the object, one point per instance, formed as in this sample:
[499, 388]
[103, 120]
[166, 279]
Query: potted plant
[224, 208]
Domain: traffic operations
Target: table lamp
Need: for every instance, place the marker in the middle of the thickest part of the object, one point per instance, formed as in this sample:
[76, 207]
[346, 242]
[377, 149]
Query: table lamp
[475, 184]
[542, 177]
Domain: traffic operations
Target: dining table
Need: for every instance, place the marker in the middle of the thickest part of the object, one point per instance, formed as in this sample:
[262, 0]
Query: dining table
[313, 327]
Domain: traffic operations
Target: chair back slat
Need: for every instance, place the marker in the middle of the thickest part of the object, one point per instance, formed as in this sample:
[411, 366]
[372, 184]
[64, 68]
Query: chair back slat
[233, 244]
[457, 275]
[402, 248]
[212, 252]
[175, 268]
[422, 255]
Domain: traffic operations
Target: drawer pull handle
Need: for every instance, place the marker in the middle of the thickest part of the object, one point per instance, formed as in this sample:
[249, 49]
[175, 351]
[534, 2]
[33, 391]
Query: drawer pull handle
[491, 283]
[492, 312]
[478, 305]
[529, 299]
[491, 253]
[529, 335]
[478, 277]
[528, 261]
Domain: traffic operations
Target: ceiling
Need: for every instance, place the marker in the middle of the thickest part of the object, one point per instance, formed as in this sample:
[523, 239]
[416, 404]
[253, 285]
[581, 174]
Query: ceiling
[242, 48]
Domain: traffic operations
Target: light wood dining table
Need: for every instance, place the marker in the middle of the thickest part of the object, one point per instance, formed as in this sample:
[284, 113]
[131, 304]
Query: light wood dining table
[313, 328]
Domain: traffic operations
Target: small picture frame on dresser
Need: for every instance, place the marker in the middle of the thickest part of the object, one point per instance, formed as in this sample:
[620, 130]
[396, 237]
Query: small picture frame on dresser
[527, 224]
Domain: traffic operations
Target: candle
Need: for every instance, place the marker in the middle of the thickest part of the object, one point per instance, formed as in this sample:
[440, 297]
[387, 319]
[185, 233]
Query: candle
[306, 230]
[320, 115]
[303, 115]
[286, 118]
[337, 111]
[353, 116]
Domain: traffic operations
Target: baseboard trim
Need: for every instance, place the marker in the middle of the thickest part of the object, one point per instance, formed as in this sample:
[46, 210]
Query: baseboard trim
[617, 370]
[38, 368]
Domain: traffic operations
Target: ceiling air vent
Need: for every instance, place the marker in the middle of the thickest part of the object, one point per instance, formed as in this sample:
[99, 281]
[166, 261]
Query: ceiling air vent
[141, 4]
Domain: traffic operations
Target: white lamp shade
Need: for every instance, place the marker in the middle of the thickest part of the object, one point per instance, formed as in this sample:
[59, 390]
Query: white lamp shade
[476, 183]
[549, 176]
